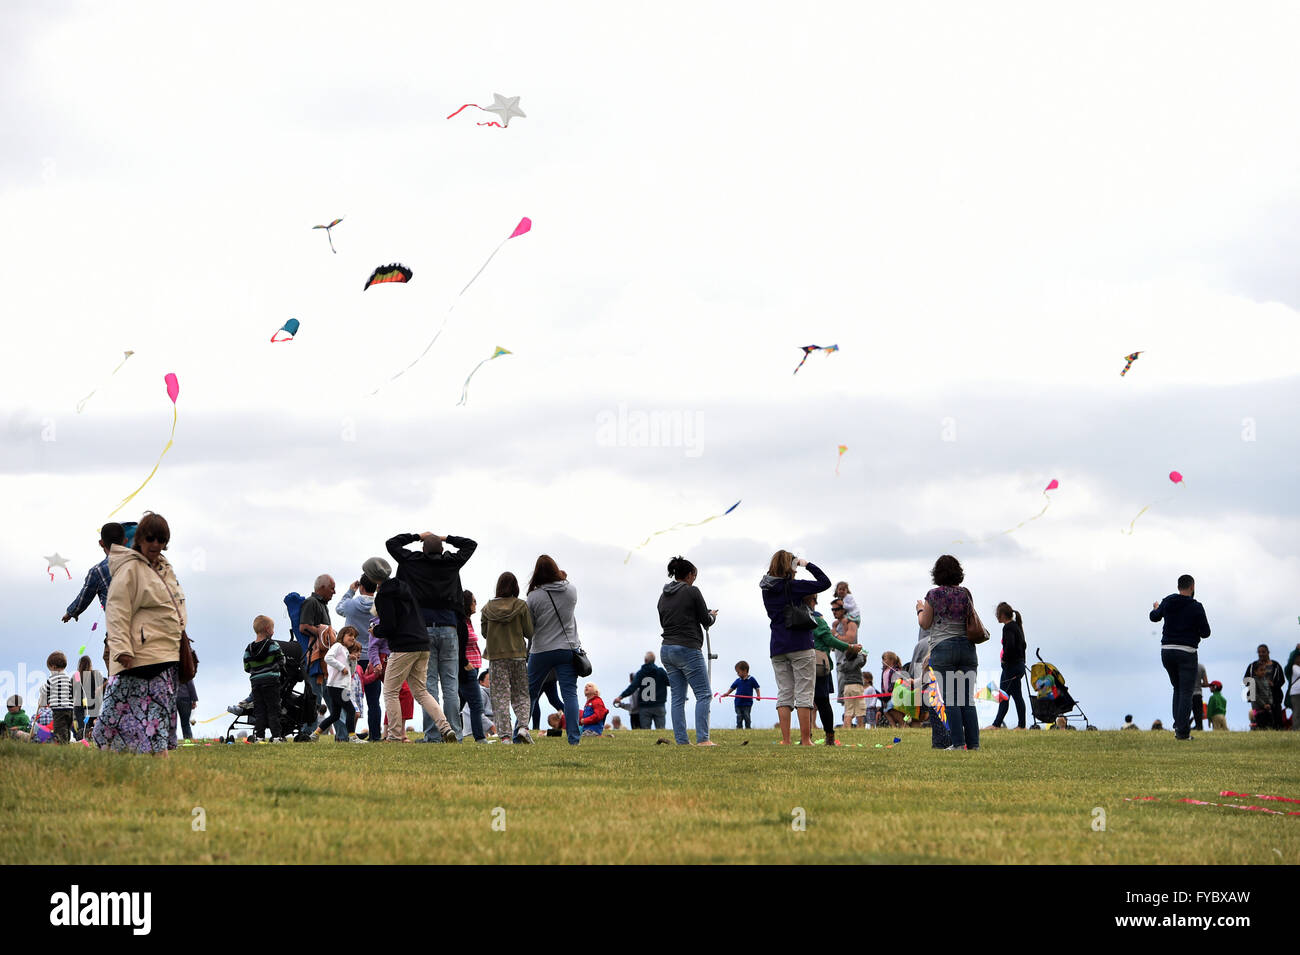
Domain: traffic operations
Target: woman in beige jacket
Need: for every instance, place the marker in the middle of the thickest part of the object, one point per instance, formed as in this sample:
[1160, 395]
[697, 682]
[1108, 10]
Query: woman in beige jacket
[145, 614]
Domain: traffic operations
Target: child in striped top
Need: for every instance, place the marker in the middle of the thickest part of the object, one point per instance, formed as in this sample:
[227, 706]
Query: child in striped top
[56, 693]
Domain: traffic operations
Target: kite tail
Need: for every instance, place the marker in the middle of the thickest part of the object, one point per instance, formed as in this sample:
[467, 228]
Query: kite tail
[464, 391]
[126, 499]
[463, 108]
[1134, 521]
[491, 123]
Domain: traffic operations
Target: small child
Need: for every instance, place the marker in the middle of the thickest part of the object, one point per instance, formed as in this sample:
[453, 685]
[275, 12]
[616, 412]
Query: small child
[592, 718]
[1128, 722]
[745, 688]
[616, 724]
[556, 723]
[18, 724]
[891, 672]
[342, 713]
[56, 693]
[263, 662]
[869, 691]
[851, 671]
[848, 600]
[1217, 707]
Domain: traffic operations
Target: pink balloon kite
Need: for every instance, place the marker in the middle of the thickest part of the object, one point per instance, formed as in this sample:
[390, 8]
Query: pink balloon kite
[173, 391]
[1052, 485]
[1177, 478]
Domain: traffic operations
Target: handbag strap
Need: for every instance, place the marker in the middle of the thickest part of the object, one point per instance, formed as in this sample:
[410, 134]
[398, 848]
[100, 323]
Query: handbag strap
[179, 618]
[560, 620]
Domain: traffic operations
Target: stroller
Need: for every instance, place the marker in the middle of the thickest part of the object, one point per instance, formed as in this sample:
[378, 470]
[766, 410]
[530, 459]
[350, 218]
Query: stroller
[1049, 696]
[296, 708]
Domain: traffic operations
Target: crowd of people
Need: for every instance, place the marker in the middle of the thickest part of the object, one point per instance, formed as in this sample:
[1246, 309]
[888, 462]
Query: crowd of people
[408, 637]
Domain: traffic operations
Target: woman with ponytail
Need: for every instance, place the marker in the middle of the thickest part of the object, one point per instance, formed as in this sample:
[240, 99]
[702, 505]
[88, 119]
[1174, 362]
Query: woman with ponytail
[684, 616]
[1013, 663]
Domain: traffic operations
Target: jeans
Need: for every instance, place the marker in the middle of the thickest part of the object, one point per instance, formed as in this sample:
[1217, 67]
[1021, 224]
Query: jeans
[342, 713]
[685, 665]
[1183, 676]
[651, 717]
[444, 654]
[742, 717]
[561, 661]
[472, 694]
[1010, 685]
[954, 662]
[1198, 711]
[374, 718]
[183, 710]
[550, 688]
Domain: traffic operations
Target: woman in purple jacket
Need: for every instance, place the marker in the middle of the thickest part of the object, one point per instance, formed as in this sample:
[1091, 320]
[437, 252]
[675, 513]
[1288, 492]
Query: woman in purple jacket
[791, 650]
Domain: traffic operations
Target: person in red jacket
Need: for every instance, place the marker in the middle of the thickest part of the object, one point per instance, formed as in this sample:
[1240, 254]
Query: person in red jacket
[594, 712]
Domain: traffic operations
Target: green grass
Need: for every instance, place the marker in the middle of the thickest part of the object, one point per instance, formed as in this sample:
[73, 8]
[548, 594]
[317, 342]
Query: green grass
[1023, 798]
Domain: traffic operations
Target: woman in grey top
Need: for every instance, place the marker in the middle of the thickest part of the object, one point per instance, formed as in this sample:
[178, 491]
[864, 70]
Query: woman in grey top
[552, 601]
[943, 613]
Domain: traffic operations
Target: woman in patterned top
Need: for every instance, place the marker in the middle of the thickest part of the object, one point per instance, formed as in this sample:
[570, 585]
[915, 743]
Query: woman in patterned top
[943, 613]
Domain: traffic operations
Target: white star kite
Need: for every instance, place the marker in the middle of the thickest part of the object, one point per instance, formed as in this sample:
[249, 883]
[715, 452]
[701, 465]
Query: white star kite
[503, 106]
[54, 560]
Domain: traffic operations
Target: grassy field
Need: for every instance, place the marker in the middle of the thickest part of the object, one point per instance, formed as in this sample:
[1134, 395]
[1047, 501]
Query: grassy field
[1023, 798]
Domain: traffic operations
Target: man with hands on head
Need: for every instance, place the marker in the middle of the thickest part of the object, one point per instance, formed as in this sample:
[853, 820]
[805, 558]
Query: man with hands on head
[433, 577]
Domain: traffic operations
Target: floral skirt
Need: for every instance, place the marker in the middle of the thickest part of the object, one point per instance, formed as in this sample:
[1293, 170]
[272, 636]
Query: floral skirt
[138, 715]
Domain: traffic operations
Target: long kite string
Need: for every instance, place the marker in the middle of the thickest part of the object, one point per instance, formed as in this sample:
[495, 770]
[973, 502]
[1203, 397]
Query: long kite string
[155, 467]
[82, 403]
[1010, 530]
[446, 317]
[678, 526]
[1163, 500]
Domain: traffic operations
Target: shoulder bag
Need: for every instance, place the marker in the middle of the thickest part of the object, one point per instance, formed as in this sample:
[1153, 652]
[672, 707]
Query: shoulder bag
[975, 631]
[581, 662]
[797, 615]
[188, 659]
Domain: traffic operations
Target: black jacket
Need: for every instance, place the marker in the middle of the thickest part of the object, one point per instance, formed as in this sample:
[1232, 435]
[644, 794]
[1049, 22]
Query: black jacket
[1013, 644]
[682, 612]
[1184, 617]
[434, 579]
[400, 622]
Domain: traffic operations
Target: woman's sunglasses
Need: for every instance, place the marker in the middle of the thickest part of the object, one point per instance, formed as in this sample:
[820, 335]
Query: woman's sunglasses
[151, 539]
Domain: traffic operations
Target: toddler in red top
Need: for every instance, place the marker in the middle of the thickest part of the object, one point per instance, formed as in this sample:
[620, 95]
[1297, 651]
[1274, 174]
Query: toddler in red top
[594, 712]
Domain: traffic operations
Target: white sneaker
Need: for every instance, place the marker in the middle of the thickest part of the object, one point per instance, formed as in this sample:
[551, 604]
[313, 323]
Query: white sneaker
[277, 739]
[356, 739]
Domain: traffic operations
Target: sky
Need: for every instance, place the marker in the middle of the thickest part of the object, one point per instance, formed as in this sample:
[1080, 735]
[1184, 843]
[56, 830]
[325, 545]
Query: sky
[985, 207]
